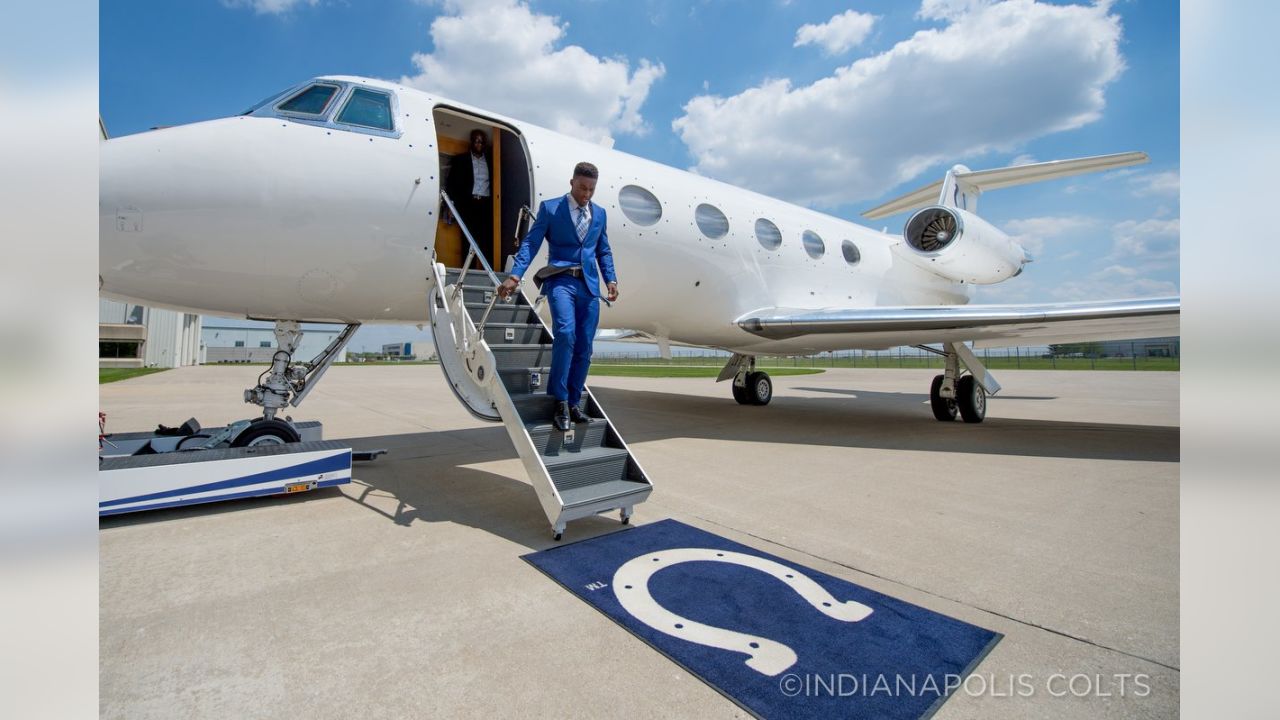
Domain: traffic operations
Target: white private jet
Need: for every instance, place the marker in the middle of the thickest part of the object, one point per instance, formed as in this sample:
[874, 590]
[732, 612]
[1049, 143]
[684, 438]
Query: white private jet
[324, 203]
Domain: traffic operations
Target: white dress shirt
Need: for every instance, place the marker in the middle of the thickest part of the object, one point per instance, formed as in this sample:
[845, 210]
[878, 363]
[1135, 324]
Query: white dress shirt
[479, 171]
[573, 210]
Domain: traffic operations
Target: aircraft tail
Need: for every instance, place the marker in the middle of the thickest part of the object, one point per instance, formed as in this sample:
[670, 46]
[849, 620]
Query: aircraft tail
[962, 186]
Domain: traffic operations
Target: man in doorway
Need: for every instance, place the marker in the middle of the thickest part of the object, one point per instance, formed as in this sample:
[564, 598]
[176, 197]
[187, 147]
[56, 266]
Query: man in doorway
[470, 189]
[578, 254]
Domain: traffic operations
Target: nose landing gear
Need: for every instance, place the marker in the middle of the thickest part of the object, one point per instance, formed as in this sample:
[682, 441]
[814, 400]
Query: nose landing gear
[265, 431]
[287, 383]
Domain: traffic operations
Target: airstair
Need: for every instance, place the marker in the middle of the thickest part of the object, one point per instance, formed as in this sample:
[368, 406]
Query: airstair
[496, 357]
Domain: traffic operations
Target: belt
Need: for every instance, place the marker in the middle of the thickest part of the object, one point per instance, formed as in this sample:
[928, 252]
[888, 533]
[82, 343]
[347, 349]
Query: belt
[574, 271]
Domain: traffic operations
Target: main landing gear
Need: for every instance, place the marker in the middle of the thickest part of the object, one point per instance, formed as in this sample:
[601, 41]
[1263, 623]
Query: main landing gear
[750, 387]
[954, 394]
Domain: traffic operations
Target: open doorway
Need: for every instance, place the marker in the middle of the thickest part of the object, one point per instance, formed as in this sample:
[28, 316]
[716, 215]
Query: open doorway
[490, 206]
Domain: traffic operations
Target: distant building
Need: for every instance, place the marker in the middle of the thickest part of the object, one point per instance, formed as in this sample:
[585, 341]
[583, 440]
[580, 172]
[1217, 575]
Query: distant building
[1147, 347]
[1150, 347]
[401, 351]
[226, 344]
[131, 335]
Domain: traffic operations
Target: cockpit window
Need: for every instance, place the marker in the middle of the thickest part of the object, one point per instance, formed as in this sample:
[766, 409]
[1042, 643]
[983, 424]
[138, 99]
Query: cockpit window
[312, 101]
[367, 108]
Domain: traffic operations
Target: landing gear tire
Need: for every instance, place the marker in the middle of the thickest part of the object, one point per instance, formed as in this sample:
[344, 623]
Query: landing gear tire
[759, 390]
[971, 399]
[944, 409]
[557, 536]
[267, 432]
[740, 394]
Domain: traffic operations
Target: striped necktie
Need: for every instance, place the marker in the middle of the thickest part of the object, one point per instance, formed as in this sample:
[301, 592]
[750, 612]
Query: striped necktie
[581, 225]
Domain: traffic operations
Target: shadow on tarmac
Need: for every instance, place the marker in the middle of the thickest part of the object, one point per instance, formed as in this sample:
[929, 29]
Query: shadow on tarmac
[448, 488]
[882, 421]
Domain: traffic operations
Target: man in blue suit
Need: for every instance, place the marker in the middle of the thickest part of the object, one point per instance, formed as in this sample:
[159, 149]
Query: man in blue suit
[578, 241]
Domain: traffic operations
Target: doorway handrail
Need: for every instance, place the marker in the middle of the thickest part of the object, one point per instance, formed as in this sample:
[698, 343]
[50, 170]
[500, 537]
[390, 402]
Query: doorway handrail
[474, 252]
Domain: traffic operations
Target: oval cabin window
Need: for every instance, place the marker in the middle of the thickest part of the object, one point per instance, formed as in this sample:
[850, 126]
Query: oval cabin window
[711, 221]
[768, 234]
[813, 244]
[639, 205]
[851, 254]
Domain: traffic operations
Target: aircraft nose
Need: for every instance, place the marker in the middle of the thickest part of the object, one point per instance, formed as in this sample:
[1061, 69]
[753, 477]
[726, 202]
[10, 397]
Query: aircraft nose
[165, 185]
[114, 189]
[159, 195]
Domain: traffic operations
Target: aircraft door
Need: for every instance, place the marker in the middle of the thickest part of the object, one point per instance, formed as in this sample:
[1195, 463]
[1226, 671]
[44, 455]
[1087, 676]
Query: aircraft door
[516, 191]
[493, 220]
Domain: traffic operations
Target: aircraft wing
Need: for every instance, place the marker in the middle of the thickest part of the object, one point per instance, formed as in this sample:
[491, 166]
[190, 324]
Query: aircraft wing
[985, 325]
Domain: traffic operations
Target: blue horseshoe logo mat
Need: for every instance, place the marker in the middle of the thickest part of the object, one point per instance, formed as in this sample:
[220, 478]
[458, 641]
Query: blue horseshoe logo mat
[779, 639]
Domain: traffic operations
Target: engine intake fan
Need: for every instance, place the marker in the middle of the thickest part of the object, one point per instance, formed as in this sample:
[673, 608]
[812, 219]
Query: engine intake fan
[960, 246]
[933, 229]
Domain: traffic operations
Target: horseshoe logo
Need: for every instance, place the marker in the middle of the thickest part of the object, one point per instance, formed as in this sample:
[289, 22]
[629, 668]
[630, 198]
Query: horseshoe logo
[767, 657]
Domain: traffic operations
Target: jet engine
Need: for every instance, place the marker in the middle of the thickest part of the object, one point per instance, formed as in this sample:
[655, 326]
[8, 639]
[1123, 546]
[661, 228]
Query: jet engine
[961, 246]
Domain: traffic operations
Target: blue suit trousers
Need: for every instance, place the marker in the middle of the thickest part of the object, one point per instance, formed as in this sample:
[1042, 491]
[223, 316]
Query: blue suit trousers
[575, 312]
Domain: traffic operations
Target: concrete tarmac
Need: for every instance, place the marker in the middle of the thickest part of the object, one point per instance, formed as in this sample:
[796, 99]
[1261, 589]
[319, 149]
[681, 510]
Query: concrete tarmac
[1055, 522]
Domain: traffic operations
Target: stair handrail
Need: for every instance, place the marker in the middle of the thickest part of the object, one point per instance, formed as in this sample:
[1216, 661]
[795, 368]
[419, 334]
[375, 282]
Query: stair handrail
[484, 319]
[474, 252]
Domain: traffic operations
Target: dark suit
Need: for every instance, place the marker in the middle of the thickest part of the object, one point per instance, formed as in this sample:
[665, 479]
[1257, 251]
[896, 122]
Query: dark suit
[476, 213]
[574, 301]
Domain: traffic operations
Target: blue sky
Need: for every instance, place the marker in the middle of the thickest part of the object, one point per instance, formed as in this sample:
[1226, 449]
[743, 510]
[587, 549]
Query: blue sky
[839, 105]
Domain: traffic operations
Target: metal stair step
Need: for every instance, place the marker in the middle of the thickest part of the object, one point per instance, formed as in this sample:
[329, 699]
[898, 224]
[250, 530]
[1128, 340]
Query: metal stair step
[502, 333]
[503, 313]
[474, 294]
[589, 467]
[611, 490]
[519, 382]
[520, 356]
[590, 456]
[550, 442]
[537, 408]
[475, 278]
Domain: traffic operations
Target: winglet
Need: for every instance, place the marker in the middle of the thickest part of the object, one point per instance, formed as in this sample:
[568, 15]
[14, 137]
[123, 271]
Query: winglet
[978, 181]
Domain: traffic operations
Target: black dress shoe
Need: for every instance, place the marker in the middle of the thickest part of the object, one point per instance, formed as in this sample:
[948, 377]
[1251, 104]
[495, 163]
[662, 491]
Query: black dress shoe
[577, 415]
[561, 418]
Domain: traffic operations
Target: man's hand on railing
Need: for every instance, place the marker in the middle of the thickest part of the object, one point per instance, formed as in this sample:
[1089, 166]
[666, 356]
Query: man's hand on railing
[508, 286]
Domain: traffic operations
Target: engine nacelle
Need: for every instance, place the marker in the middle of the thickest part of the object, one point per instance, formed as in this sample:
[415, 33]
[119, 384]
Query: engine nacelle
[961, 246]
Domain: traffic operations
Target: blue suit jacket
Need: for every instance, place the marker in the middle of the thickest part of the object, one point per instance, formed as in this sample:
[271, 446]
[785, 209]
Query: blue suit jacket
[555, 224]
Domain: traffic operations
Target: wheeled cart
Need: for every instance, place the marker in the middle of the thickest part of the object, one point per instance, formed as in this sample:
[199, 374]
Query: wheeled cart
[130, 483]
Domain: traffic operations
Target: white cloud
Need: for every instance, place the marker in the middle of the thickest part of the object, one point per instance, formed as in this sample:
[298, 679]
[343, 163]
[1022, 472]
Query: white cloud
[840, 33]
[1023, 159]
[269, 7]
[1115, 282]
[949, 9]
[1143, 257]
[1161, 183]
[1152, 242]
[1032, 232]
[500, 55]
[993, 78]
